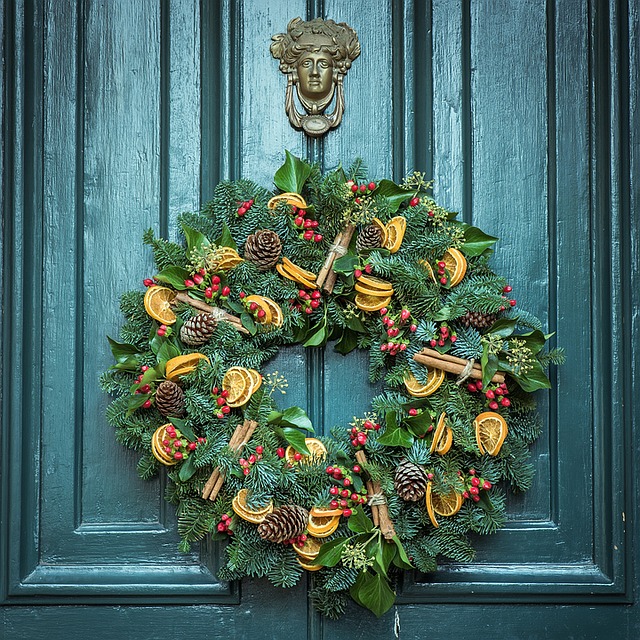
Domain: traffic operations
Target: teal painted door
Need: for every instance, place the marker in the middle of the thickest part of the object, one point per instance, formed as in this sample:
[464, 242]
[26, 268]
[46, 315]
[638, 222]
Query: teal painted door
[120, 115]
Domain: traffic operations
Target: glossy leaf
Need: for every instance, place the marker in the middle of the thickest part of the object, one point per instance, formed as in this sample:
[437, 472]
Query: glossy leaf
[293, 174]
[374, 593]
[476, 241]
[394, 193]
[331, 552]
[174, 276]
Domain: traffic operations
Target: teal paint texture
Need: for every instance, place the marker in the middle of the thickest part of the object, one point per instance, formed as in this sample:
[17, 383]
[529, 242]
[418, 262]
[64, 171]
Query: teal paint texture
[118, 116]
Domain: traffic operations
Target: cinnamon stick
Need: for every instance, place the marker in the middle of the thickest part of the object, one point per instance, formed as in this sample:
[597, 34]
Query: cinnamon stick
[206, 308]
[453, 367]
[341, 242]
[239, 439]
[379, 512]
[328, 263]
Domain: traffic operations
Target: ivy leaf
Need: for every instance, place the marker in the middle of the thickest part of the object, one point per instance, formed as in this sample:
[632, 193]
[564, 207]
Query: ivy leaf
[347, 343]
[175, 276]
[419, 424]
[167, 351]
[534, 340]
[355, 324]
[184, 429]
[489, 364]
[503, 327]
[294, 438]
[394, 193]
[293, 174]
[194, 238]
[373, 592]
[476, 241]
[122, 351]
[346, 264]
[318, 337]
[394, 435]
[248, 323]
[360, 522]
[385, 553]
[402, 559]
[234, 305]
[291, 417]
[331, 552]
[533, 379]
[136, 401]
[225, 239]
[187, 469]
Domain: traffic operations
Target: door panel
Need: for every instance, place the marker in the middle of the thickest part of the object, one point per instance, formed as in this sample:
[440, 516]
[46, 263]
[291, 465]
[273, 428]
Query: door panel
[119, 116]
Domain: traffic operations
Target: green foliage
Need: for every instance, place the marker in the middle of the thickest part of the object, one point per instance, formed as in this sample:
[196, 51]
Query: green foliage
[358, 562]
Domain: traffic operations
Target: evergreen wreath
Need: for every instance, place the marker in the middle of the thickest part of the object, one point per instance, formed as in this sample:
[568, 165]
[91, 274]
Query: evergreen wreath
[330, 258]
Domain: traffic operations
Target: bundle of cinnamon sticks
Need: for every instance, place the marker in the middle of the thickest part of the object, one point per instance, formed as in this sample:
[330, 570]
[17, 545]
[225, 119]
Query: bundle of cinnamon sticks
[379, 512]
[327, 275]
[239, 439]
[451, 364]
[220, 314]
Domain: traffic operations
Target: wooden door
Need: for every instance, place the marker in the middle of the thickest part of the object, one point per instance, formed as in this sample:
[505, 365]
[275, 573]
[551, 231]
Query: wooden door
[119, 115]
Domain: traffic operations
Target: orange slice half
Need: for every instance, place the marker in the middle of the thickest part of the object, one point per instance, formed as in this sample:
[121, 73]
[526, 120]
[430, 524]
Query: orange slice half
[239, 505]
[310, 550]
[443, 505]
[299, 279]
[396, 228]
[322, 526]
[307, 566]
[456, 265]
[317, 449]
[294, 199]
[181, 365]
[491, 430]
[435, 377]
[157, 303]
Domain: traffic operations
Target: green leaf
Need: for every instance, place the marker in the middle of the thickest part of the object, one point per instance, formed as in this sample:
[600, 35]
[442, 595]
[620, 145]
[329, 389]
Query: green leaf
[194, 238]
[248, 323]
[503, 327]
[293, 174]
[122, 351]
[402, 559]
[373, 592]
[419, 424]
[175, 276]
[476, 241]
[385, 553]
[187, 469]
[396, 437]
[359, 521]
[331, 552]
[355, 324]
[346, 264]
[318, 337]
[225, 239]
[167, 351]
[394, 193]
[185, 430]
[347, 343]
[295, 417]
[136, 401]
[294, 438]
[533, 380]
[534, 340]
[234, 305]
[443, 315]
[489, 364]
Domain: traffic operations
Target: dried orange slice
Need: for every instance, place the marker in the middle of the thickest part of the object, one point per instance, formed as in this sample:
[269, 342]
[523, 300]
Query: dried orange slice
[429, 269]
[309, 567]
[157, 447]
[260, 301]
[317, 449]
[456, 265]
[294, 199]
[396, 228]
[324, 513]
[439, 433]
[157, 303]
[181, 365]
[383, 230]
[256, 380]
[310, 549]
[374, 283]
[277, 318]
[239, 505]
[435, 377]
[360, 288]
[295, 269]
[443, 505]
[367, 302]
[322, 526]
[238, 382]
[491, 430]
[305, 282]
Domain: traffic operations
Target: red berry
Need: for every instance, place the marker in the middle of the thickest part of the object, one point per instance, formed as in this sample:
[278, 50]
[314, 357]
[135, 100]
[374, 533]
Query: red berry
[329, 470]
[215, 280]
[405, 314]
[472, 472]
[178, 455]
[189, 283]
[346, 482]
[442, 265]
[299, 221]
[193, 446]
[472, 387]
[221, 401]
[490, 394]
[474, 491]
[308, 235]
[413, 412]
[414, 202]
[357, 273]
[430, 476]
[443, 280]
[345, 493]
[479, 385]
[222, 526]
[245, 471]
[334, 491]
[145, 388]
[315, 304]
[356, 468]
[208, 293]
[372, 186]
[252, 306]
[280, 452]
[354, 187]
[505, 402]
[144, 367]
[147, 404]
[308, 310]
[225, 291]
[148, 282]
[259, 449]
[512, 303]
[162, 332]
[368, 268]
[486, 485]
[347, 513]
[197, 278]
[508, 289]
[220, 415]
[215, 287]
[453, 338]
[333, 504]
[363, 188]
[475, 481]
[242, 211]
[242, 295]
[493, 405]
[317, 237]
[297, 456]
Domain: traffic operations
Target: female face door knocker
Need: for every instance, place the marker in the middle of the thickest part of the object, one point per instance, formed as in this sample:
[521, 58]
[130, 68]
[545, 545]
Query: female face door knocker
[315, 56]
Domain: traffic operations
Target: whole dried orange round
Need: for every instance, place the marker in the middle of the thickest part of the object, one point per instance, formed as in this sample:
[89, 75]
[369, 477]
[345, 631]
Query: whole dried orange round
[238, 382]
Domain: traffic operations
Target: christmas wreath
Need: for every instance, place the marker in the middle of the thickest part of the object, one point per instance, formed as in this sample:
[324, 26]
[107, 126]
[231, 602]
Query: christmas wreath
[363, 265]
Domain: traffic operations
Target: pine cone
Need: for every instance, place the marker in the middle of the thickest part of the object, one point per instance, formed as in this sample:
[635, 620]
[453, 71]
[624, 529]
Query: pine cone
[477, 319]
[170, 399]
[198, 330]
[284, 523]
[410, 481]
[263, 248]
[369, 238]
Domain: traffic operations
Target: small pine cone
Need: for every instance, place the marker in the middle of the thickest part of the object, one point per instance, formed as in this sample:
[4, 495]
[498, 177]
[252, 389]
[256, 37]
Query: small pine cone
[410, 481]
[369, 238]
[286, 522]
[198, 330]
[263, 248]
[170, 399]
[480, 321]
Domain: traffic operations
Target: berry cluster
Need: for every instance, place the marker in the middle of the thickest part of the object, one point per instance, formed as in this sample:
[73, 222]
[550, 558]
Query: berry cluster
[211, 286]
[243, 207]
[358, 433]
[221, 396]
[176, 445]
[305, 225]
[496, 395]
[366, 268]
[253, 308]
[298, 541]
[396, 326]
[345, 498]
[364, 189]
[512, 303]
[148, 282]
[474, 485]
[247, 463]
[224, 526]
[444, 337]
[307, 302]
[144, 388]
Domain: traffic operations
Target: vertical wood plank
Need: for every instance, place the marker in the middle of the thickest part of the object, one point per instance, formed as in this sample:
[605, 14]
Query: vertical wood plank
[121, 195]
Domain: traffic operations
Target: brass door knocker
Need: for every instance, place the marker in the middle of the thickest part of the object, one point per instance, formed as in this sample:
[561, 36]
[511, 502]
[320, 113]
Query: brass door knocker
[315, 55]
